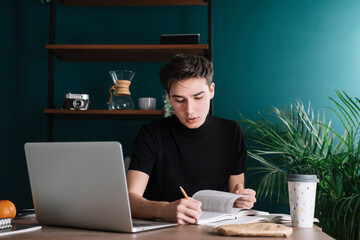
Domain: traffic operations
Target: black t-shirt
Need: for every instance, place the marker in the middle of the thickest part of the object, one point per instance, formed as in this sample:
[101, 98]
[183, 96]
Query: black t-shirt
[196, 159]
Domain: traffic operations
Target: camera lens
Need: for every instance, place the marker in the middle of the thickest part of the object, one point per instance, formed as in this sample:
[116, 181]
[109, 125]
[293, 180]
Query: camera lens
[78, 103]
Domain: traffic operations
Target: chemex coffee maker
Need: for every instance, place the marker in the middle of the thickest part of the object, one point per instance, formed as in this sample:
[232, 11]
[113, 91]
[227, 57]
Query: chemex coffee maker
[120, 96]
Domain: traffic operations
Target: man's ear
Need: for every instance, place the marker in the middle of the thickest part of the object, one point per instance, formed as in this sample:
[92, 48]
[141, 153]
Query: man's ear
[212, 90]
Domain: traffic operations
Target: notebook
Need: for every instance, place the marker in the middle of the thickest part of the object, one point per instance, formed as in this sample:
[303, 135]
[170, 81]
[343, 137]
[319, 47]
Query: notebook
[82, 185]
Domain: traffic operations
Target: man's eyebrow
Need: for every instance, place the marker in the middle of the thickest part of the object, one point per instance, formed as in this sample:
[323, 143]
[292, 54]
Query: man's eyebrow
[194, 95]
[199, 93]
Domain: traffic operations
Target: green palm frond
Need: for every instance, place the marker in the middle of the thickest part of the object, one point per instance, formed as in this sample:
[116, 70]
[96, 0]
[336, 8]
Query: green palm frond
[299, 141]
[347, 210]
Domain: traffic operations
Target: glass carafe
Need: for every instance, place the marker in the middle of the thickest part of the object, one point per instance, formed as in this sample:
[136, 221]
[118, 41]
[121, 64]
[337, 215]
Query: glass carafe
[120, 96]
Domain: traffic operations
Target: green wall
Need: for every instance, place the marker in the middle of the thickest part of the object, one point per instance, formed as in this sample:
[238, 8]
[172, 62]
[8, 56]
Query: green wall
[266, 53]
[270, 53]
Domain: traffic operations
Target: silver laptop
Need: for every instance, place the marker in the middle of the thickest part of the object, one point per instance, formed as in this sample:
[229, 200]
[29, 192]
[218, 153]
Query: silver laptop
[83, 185]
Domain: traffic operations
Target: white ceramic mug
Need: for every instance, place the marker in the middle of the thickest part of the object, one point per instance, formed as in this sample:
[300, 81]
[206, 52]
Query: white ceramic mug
[147, 103]
[302, 195]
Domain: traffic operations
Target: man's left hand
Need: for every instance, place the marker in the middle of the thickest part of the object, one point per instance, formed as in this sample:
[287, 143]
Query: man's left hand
[246, 201]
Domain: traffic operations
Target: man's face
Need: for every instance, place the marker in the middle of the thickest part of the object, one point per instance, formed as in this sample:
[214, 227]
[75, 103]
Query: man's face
[190, 99]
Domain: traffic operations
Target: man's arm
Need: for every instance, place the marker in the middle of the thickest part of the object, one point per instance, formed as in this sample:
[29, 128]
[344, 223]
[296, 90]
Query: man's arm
[236, 185]
[181, 211]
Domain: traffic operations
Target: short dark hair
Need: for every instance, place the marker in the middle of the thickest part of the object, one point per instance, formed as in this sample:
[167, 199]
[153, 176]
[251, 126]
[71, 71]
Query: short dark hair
[184, 66]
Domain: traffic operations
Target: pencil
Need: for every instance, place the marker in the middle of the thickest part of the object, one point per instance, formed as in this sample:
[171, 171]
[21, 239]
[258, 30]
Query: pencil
[184, 193]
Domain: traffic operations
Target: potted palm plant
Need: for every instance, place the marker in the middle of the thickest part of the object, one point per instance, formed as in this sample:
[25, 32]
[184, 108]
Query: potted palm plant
[297, 141]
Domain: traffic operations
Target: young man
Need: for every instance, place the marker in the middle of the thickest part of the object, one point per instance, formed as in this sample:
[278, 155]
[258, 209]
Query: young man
[190, 149]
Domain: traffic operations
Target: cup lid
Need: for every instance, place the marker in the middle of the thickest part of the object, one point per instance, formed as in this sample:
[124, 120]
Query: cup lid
[302, 178]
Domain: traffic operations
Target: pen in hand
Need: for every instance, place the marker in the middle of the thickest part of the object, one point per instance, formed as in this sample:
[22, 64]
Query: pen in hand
[184, 193]
[198, 209]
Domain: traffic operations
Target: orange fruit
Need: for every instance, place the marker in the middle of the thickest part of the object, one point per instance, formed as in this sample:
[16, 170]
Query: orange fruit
[7, 209]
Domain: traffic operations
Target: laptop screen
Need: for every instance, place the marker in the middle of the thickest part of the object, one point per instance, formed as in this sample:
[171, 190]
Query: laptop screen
[79, 184]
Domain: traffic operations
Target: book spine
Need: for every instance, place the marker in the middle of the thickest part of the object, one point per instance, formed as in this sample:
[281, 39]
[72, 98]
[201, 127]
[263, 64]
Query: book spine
[5, 223]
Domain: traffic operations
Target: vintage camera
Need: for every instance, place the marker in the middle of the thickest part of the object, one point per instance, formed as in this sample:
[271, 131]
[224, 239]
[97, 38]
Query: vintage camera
[76, 101]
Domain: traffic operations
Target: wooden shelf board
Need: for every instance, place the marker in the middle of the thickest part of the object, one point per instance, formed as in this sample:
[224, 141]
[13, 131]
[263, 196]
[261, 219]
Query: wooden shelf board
[123, 53]
[92, 114]
[132, 2]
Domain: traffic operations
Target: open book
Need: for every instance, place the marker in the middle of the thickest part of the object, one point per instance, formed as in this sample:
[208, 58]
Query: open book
[273, 218]
[218, 206]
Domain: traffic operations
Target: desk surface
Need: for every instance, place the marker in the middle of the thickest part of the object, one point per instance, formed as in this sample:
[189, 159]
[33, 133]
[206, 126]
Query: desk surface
[190, 232]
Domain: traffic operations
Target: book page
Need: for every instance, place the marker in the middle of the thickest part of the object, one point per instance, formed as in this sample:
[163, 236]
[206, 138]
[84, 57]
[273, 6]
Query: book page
[277, 217]
[239, 212]
[280, 218]
[216, 201]
[209, 217]
[274, 218]
[241, 220]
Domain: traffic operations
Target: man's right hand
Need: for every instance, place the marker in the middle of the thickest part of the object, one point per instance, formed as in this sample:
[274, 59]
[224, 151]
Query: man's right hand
[182, 211]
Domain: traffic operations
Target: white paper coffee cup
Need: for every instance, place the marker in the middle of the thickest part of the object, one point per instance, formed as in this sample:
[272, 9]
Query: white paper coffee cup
[302, 195]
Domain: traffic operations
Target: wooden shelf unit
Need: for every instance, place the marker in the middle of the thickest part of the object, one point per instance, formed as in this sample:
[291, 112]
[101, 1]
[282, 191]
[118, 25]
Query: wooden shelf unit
[114, 53]
[128, 53]
[102, 114]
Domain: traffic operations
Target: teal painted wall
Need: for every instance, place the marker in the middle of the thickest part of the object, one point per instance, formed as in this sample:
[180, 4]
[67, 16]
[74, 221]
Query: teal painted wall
[266, 53]
[269, 53]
